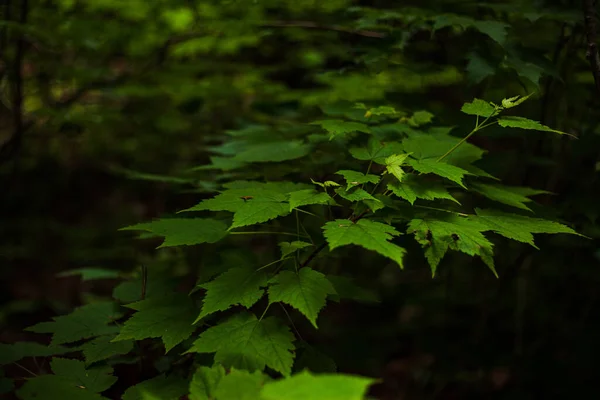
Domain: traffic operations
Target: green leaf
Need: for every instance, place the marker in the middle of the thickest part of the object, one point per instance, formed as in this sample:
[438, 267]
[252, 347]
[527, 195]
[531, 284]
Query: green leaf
[9, 353]
[272, 152]
[250, 205]
[314, 360]
[159, 388]
[169, 318]
[89, 274]
[306, 291]
[205, 381]
[70, 381]
[84, 322]
[518, 227]
[102, 348]
[433, 146]
[240, 385]
[420, 118]
[355, 178]
[357, 194]
[305, 386]
[479, 107]
[440, 168]
[288, 248]
[308, 197]
[365, 233]
[239, 285]
[184, 231]
[245, 342]
[413, 188]
[376, 151]
[441, 233]
[494, 29]
[393, 163]
[510, 195]
[336, 127]
[478, 68]
[514, 101]
[524, 123]
[347, 289]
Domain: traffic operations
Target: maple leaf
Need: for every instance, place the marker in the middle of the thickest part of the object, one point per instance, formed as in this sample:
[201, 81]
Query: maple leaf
[308, 197]
[480, 108]
[393, 163]
[162, 387]
[357, 194]
[525, 123]
[365, 233]
[354, 178]
[241, 385]
[9, 353]
[168, 317]
[103, 347]
[448, 171]
[413, 188]
[306, 291]
[250, 205]
[238, 285]
[184, 231]
[439, 234]
[376, 151]
[288, 248]
[71, 380]
[205, 381]
[84, 322]
[518, 227]
[306, 385]
[515, 196]
[245, 342]
[336, 127]
[434, 145]
[277, 151]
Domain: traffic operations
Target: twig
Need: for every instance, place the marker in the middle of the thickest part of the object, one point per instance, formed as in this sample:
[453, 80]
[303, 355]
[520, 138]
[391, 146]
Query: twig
[589, 12]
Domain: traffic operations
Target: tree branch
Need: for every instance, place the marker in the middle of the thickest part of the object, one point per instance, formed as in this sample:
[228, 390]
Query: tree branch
[589, 12]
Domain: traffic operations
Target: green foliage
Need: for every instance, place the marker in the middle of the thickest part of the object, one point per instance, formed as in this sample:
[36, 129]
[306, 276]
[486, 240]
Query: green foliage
[217, 75]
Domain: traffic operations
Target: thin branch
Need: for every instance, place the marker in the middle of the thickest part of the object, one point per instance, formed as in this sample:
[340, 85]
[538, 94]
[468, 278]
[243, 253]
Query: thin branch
[589, 12]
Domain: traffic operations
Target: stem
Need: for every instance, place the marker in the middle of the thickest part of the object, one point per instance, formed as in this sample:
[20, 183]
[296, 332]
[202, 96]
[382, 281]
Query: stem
[457, 145]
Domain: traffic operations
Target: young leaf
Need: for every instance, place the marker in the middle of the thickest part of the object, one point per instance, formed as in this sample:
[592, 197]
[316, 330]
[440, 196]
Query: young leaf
[305, 290]
[439, 234]
[245, 342]
[305, 386]
[85, 322]
[184, 231]
[337, 127]
[413, 188]
[431, 166]
[308, 197]
[103, 347]
[376, 151]
[205, 382]
[288, 248]
[518, 227]
[355, 178]
[70, 381]
[169, 318]
[524, 123]
[240, 385]
[514, 101]
[510, 195]
[479, 107]
[365, 233]
[393, 163]
[159, 388]
[239, 285]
